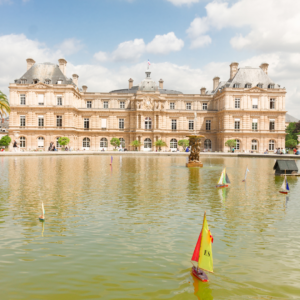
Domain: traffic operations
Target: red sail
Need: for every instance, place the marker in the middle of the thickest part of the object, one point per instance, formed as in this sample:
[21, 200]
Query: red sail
[195, 256]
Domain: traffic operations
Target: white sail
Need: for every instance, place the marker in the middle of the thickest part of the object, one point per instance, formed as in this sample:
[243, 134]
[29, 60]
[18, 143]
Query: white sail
[43, 209]
[283, 187]
[220, 182]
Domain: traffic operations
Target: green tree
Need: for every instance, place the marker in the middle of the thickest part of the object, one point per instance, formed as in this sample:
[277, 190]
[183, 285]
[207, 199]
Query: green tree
[230, 143]
[5, 141]
[115, 142]
[184, 143]
[290, 143]
[159, 144]
[63, 140]
[292, 131]
[4, 105]
[136, 144]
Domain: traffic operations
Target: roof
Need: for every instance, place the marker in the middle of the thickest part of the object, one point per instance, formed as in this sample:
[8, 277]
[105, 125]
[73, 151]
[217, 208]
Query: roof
[289, 165]
[134, 89]
[43, 72]
[290, 119]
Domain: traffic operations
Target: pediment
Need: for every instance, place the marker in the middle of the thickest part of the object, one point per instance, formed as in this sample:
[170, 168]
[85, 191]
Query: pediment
[39, 85]
[256, 89]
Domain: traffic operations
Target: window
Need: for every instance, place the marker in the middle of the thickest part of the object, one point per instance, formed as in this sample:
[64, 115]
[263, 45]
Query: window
[148, 123]
[86, 123]
[122, 143]
[23, 81]
[248, 85]
[254, 145]
[22, 121]
[260, 85]
[59, 100]
[204, 106]
[103, 143]
[122, 104]
[22, 142]
[23, 99]
[58, 145]
[272, 124]
[237, 124]
[237, 145]
[173, 144]
[172, 105]
[254, 124]
[191, 125]
[41, 121]
[147, 144]
[41, 99]
[236, 85]
[208, 124]
[88, 104]
[271, 145]
[207, 144]
[121, 123]
[174, 124]
[86, 143]
[271, 86]
[47, 81]
[255, 103]
[35, 81]
[59, 82]
[189, 106]
[105, 104]
[103, 123]
[237, 103]
[272, 103]
[59, 121]
[40, 142]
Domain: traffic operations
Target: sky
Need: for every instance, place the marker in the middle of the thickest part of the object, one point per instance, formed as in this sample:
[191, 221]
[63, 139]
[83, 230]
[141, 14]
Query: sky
[188, 42]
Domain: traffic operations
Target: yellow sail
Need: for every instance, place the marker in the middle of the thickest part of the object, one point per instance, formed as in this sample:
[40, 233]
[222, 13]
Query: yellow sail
[205, 256]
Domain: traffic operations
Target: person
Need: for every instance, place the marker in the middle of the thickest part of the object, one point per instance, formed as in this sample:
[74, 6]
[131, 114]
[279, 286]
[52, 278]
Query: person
[66, 149]
[233, 150]
[53, 147]
[187, 149]
[294, 150]
[50, 147]
[15, 146]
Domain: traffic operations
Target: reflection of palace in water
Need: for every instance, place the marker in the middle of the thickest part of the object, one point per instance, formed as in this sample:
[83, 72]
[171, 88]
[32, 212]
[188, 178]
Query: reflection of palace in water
[45, 105]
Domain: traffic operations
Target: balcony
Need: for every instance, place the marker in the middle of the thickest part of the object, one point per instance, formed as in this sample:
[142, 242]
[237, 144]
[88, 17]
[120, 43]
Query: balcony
[103, 128]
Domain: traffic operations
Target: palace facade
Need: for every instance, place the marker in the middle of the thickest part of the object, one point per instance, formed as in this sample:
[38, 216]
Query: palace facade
[45, 105]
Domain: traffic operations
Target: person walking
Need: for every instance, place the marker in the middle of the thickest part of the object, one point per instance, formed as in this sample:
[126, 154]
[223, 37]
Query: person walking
[15, 146]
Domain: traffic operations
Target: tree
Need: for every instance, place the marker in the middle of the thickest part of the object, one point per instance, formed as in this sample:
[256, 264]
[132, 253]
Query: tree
[292, 131]
[290, 143]
[4, 105]
[115, 142]
[136, 144]
[159, 144]
[63, 140]
[5, 141]
[184, 143]
[230, 143]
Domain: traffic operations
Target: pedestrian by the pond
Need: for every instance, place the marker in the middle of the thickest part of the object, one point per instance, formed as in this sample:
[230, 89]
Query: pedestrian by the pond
[15, 146]
[50, 147]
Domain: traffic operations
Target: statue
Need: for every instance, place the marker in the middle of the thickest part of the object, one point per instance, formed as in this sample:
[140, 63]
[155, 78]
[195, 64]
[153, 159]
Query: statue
[195, 144]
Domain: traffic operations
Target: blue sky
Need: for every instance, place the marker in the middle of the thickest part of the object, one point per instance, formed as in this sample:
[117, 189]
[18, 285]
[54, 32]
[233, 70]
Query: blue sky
[187, 41]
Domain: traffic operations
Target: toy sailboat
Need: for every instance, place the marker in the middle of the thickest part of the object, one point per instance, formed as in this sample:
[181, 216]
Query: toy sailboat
[285, 186]
[42, 216]
[224, 180]
[203, 253]
[247, 170]
[111, 160]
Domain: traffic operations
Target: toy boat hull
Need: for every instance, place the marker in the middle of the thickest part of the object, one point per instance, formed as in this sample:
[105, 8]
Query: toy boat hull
[222, 186]
[283, 192]
[199, 274]
[41, 219]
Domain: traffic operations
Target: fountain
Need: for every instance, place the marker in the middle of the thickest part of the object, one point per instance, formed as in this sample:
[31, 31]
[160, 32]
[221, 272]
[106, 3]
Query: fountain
[194, 158]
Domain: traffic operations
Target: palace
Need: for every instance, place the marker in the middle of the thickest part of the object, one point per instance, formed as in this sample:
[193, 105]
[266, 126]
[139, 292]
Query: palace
[45, 105]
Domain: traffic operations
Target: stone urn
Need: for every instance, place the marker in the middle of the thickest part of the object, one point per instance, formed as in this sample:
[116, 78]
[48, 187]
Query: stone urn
[194, 158]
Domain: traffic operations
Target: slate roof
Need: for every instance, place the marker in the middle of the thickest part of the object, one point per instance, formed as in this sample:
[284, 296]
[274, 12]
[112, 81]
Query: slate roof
[134, 89]
[44, 71]
[288, 165]
[290, 119]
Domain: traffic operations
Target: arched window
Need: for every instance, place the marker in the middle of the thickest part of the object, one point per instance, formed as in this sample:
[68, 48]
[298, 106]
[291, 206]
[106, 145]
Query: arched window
[148, 123]
[58, 145]
[122, 142]
[103, 143]
[207, 144]
[237, 146]
[40, 142]
[254, 145]
[147, 144]
[86, 143]
[173, 144]
[271, 145]
[22, 142]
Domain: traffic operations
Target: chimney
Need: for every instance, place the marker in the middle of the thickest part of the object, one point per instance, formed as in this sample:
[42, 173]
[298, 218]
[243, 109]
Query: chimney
[84, 88]
[216, 81]
[75, 78]
[203, 90]
[264, 67]
[130, 83]
[161, 84]
[30, 63]
[63, 65]
[233, 69]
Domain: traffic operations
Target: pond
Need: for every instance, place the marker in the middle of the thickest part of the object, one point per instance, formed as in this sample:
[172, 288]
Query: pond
[129, 231]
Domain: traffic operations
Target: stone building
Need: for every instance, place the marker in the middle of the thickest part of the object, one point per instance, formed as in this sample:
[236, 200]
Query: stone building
[45, 105]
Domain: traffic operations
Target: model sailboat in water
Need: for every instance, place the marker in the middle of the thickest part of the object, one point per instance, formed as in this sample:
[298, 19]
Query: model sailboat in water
[203, 253]
[247, 170]
[224, 180]
[285, 186]
[42, 216]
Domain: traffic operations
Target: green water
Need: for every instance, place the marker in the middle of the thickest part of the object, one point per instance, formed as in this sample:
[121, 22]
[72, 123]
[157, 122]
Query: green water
[128, 232]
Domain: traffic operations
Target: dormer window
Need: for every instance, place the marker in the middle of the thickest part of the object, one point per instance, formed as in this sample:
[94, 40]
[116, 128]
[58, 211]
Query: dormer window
[47, 81]
[260, 85]
[248, 85]
[23, 81]
[271, 86]
[59, 82]
[35, 81]
[236, 85]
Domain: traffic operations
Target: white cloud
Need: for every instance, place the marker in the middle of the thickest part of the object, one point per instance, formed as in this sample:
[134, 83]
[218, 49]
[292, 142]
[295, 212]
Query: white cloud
[201, 41]
[131, 51]
[182, 2]
[70, 46]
